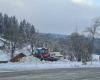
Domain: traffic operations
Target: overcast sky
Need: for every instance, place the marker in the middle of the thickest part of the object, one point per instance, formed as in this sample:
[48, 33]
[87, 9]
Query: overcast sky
[54, 16]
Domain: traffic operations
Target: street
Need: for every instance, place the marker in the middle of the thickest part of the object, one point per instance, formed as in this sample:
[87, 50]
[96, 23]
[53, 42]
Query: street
[54, 74]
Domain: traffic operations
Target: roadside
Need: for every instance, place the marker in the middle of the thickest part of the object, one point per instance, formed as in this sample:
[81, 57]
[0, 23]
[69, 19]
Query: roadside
[54, 74]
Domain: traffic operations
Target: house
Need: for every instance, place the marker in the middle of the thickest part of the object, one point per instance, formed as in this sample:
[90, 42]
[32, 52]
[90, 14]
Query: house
[56, 54]
[4, 57]
[18, 57]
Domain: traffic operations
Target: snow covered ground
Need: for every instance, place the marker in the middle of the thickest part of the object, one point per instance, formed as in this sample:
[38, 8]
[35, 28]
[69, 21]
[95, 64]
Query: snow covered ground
[4, 56]
[32, 63]
[45, 65]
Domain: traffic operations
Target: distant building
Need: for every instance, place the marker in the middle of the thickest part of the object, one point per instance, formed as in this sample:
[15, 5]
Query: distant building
[4, 57]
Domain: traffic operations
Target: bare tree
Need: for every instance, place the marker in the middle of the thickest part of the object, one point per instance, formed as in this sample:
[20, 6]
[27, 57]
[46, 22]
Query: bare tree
[79, 47]
[93, 31]
[75, 45]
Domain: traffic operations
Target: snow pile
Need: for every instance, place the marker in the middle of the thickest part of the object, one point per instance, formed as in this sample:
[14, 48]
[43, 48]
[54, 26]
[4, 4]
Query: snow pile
[4, 56]
[95, 57]
[29, 59]
[64, 60]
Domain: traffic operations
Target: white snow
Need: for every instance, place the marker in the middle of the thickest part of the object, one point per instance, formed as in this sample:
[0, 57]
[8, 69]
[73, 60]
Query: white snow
[30, 59]
[4, 40]
[45, 65]
[1, 43]
[26, 50]
[4, 56]
[32, 63]
[95, 57]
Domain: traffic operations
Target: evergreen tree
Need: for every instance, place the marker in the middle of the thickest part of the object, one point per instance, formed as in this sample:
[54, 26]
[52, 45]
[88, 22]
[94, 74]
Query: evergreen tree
[1, 24]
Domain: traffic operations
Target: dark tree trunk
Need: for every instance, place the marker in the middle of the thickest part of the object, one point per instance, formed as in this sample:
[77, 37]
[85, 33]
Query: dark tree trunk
[32, 49]
[12, 50]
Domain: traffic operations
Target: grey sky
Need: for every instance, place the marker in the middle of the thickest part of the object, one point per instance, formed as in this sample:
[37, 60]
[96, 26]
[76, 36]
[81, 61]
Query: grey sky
[53, 16]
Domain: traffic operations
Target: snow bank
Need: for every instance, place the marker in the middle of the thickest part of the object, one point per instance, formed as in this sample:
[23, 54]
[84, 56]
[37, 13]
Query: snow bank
[45, 65]
[36, 66]
[30, 59]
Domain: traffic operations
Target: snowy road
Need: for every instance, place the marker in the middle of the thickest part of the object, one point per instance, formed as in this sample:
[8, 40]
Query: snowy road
[57, 74]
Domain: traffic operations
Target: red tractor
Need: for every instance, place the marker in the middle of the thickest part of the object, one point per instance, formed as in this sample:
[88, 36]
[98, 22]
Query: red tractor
[44, 54]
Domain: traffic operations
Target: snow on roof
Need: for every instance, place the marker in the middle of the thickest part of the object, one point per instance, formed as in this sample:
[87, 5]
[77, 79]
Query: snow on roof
[4, 40]
[26, 50]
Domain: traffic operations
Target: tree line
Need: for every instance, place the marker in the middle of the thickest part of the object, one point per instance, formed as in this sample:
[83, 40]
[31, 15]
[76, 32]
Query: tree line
[17, 33]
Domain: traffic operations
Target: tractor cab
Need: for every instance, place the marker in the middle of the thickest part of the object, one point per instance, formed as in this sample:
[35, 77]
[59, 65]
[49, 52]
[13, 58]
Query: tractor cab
[44, 54]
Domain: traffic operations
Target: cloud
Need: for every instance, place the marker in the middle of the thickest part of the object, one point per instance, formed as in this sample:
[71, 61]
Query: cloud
[84, 2]
[16, 3]
[55, 16]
